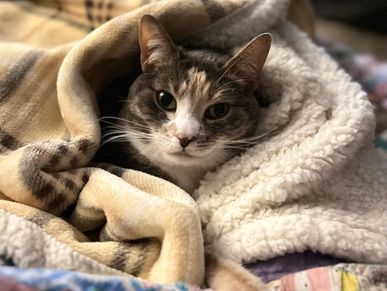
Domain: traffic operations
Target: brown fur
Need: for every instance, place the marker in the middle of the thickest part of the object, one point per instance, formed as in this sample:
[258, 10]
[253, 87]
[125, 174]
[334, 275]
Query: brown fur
[197, 80]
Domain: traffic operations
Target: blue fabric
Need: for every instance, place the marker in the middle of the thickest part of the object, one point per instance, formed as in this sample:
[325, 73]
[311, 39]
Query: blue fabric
[57, 280]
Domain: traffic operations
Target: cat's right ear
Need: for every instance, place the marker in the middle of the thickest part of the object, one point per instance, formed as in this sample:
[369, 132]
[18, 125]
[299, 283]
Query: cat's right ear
[157, 48]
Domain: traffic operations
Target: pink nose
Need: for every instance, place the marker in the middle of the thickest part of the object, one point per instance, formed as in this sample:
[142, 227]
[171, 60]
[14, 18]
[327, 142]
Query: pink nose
[185, 141]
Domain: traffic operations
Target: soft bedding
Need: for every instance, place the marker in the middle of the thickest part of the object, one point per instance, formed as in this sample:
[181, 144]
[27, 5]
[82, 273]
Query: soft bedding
[345, 277]
[316, 184]
[46, 279]
[372, 75]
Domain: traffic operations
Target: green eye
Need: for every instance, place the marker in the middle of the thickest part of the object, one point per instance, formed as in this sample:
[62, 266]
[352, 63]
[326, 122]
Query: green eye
[165, 101]
[217, 111]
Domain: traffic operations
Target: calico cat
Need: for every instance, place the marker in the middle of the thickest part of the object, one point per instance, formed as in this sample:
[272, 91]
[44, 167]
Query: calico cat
[190, 110]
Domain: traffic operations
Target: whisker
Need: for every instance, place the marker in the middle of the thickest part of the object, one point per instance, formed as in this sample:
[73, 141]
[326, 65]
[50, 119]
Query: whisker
[231, 82]
[251, 140]
[115, 139]
[126, 131]
[103, 119]
[116, 132]
[130, 128]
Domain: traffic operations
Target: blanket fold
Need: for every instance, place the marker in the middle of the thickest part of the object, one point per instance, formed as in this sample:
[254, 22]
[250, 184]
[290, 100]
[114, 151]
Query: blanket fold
[315, 182]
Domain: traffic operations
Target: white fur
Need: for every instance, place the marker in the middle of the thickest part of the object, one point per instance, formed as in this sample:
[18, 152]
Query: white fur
[186, 171]
[186, 124]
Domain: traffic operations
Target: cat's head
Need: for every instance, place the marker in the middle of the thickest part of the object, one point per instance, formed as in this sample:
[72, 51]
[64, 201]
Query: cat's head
[186, 110]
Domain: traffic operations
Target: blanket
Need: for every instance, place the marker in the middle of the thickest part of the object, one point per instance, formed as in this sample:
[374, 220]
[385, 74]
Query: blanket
[317, 183]
[150, 228]
[346, 277]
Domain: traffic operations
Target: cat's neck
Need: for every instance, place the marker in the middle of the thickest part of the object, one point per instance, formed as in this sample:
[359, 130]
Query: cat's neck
[126, 156]
[185, 177]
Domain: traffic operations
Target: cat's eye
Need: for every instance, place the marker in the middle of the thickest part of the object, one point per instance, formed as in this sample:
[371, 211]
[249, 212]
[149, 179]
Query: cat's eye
[165, 101]
[217, 111]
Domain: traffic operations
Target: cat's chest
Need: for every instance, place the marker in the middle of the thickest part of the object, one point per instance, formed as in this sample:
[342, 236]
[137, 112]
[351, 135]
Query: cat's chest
[186, 178]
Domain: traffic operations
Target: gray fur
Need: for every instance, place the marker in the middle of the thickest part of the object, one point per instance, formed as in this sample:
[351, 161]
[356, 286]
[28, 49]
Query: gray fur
[197, 79]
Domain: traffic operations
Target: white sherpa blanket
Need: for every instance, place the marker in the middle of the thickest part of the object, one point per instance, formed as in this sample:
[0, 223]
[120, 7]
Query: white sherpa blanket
[29, 246]
[317, 184]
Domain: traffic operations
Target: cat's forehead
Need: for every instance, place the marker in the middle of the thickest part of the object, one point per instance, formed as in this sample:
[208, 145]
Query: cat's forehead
[205, 82]
[195, 82]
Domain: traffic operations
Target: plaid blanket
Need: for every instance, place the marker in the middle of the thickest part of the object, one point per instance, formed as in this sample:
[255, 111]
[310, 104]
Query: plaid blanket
[49, 132]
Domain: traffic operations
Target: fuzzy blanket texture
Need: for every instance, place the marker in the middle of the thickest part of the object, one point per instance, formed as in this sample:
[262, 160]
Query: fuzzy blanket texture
[317, 183]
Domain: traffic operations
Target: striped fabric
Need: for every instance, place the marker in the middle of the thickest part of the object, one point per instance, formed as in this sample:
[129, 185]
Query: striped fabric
[51, 70]
[342, 277]
[58, 280]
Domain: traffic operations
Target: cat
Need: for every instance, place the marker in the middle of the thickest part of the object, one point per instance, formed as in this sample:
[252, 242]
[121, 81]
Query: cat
[189, 111]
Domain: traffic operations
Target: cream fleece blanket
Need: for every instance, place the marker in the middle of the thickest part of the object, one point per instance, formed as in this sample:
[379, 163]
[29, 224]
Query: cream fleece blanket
[315, 183]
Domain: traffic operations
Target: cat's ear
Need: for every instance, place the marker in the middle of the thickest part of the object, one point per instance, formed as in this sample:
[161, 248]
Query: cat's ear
[157, 48]
[247, 64]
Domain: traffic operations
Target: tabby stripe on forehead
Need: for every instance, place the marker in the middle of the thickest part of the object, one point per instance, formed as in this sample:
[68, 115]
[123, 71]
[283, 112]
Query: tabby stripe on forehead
[8, 141]
[214, 9]
[15, 75]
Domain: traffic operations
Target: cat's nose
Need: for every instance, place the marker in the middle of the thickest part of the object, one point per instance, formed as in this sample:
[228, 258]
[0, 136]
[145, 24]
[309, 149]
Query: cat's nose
[185, 141]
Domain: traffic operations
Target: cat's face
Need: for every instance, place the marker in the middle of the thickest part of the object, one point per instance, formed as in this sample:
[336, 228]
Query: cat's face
[189, 118]
[180, 112]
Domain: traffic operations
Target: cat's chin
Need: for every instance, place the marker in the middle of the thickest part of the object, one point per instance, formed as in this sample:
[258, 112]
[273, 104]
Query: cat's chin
[189, 160]
[181, 155]
[181, 159]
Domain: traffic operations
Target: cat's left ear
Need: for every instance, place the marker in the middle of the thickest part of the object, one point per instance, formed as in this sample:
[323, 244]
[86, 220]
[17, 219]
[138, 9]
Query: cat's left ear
[157, 48]
[247, 64]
